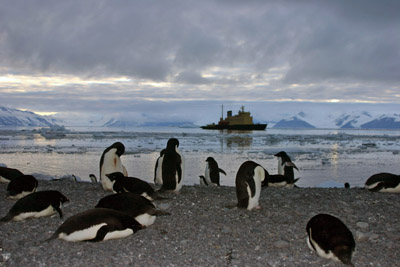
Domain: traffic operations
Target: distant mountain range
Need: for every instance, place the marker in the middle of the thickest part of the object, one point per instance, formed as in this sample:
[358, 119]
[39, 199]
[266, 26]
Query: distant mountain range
[353, 120]
[319, 119]
[16, 118]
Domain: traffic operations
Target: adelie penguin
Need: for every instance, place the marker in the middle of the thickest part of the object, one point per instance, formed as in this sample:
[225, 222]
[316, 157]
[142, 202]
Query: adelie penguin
[172, 167]
[383, 182]
[330, 238]
[120, 184]
[21, 186]
[95, 225]
[211, 173]
[158, 169]
[287, 178]
[110, 162]
[8, 174]
[134, 205]
[35, 205]
[248, 184]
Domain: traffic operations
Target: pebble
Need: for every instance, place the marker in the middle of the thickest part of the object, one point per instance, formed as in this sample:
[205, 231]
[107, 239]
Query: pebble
[362, 225]
[281, 244]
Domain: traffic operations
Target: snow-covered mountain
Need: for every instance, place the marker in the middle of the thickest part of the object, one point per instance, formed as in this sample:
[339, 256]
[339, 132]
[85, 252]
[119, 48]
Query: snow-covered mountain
[351, 120]
[15, 117]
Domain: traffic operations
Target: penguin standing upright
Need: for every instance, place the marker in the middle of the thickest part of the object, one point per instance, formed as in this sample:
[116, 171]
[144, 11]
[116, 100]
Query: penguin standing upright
[283, 158]
[135, 185]
[330, 238]
[172, 167]
[8, 174]
[22, 186]
[95, 225]
[248, 184]
[158, 169]
[383, 182]
[211, 173]
[35, 205]
[110, 162]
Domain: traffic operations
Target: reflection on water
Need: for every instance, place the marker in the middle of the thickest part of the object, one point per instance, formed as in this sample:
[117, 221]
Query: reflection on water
[229, 142]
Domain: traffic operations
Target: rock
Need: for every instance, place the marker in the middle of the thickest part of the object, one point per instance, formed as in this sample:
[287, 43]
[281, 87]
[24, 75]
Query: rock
[362, 225]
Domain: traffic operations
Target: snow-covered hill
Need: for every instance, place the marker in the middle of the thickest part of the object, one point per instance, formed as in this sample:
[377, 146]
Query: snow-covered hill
[15, 117]
[355, 119]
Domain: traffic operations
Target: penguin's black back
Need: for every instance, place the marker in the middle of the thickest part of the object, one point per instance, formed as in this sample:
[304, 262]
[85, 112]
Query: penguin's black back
[9, 173]
[331, 234]
[21, 184]
[127, 202]
[38, 201]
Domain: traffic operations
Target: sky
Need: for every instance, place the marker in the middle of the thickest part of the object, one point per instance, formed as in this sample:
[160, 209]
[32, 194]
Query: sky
[179, 60]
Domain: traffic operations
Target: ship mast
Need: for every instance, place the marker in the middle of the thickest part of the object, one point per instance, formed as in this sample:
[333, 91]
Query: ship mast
[222, 114]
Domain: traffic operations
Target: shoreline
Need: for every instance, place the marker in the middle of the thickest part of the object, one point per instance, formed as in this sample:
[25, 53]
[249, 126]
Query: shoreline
[201, 231]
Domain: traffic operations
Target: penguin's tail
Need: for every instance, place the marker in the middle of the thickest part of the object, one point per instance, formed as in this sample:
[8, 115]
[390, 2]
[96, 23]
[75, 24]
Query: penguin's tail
[5, 219]
[52, 237]
[161, 213]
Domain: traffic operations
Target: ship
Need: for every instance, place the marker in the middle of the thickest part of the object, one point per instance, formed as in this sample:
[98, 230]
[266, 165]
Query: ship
[243, 121]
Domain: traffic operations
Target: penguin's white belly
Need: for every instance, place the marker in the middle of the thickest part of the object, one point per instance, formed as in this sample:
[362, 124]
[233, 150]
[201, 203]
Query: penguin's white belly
[145, 219]
[158, 180]
[80, 235]
[259, 176]
[280, 184]
[25, 215]
[319, 250]
[21, 195]
[387, 190]
[112, 163]
[4, 180]
[118, 234]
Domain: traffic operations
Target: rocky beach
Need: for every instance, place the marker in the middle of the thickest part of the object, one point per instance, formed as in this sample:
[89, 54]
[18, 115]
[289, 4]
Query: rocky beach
[203, 231]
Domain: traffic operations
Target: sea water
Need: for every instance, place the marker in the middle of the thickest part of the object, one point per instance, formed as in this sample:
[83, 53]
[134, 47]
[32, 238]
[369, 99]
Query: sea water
[324, 157]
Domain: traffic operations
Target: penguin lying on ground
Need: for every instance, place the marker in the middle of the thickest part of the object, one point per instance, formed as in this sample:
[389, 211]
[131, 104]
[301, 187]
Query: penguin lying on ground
[134, 205]
[35, 205]
[8, 174]
[158, 169]
[120, 184]
[211, 173]
[172, 167]
[110, 162]
[248, 184]
[383, 182]
[330, 238]
[97, 225]
[21, 186]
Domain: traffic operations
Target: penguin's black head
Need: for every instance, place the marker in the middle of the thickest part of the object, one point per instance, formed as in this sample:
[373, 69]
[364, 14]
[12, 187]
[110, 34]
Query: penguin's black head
[115, 175]
[281, 154]
[120, 148]
[209, 159]
[172, 143]
[344, 253]
[63, 199]
[135, 226]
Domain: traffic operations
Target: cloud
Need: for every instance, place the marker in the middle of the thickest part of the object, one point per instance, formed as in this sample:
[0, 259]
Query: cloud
[96, 54]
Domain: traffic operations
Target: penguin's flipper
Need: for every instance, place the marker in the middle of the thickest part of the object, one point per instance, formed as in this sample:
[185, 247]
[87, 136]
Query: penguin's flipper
[6, 218]
[59, 211]
[291, 164]
[101, 233]
[52, 237]
[252, 186]
[221, 171]
[377, 188]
